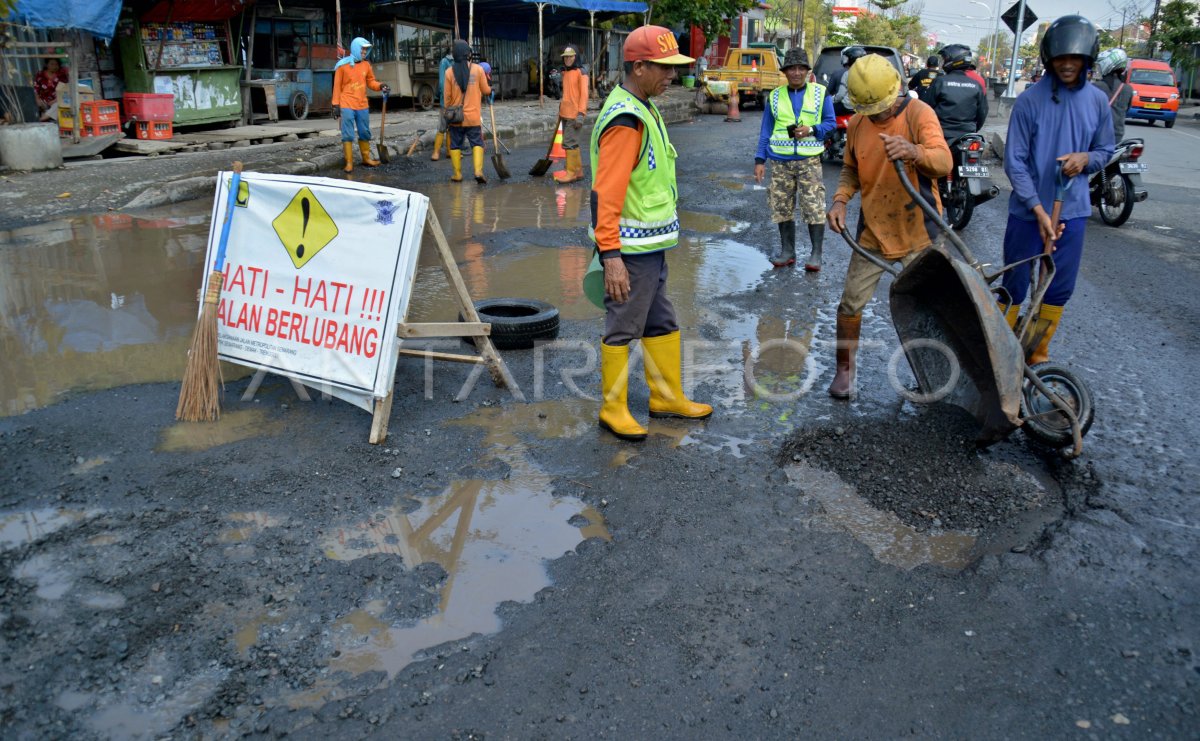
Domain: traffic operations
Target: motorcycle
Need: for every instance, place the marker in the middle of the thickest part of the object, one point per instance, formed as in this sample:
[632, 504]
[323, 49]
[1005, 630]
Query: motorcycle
[967, 185]
[554, 83]
[1118, 186]
[835, 142]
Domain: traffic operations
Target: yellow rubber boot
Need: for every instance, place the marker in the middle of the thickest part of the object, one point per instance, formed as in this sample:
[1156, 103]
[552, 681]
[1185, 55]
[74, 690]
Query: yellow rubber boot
[364, 149]
[614, 384]
[1012, 315]
[663, 375]
[437, 146]
[456, 165]
[573, 169]
[348, 150]
[477, 159]
[1047, 325]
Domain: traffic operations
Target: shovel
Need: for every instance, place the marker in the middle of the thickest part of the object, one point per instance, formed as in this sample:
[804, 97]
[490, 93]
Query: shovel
[543, 165]
[384, 156]
[416, 142]
[497, 159]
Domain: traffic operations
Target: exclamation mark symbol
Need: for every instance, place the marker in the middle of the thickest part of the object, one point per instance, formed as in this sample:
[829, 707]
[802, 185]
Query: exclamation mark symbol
[380, 309]
[304, 209]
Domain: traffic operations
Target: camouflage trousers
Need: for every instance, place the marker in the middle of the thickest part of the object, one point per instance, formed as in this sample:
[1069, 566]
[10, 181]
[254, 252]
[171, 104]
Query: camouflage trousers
[801, 176]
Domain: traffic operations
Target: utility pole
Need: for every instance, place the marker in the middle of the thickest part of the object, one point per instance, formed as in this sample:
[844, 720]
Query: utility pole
[1121, 43]
[1153, 44]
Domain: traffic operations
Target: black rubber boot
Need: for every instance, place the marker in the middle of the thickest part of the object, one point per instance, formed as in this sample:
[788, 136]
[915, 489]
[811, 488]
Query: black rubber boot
[816, 233]
[787, 241]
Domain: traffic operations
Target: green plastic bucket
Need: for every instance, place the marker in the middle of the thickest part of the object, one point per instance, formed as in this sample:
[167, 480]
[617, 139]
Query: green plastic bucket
[689, 81]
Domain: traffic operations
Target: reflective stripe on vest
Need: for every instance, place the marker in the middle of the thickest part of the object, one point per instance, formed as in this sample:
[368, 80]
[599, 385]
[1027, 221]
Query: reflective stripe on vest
[648, 220]
[810, 115]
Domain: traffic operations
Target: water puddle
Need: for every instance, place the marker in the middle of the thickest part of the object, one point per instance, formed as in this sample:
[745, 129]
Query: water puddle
[492, 537]
[19, 528]
[95, 302]
[52, 579]
[890, 540]
[247, 525]
[231, 427]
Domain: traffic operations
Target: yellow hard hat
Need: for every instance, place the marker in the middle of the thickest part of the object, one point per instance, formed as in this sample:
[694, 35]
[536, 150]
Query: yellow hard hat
[873, 85]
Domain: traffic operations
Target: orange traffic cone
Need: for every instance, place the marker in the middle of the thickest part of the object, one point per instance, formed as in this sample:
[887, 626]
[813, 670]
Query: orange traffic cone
[734, 115]
[557, 152]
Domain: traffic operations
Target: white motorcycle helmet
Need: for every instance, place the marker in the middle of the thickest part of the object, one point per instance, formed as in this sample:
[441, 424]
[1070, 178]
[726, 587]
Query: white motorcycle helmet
[1111, 60]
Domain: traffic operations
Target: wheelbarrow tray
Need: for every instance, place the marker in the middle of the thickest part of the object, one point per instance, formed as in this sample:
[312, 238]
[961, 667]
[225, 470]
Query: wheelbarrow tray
[940, 302]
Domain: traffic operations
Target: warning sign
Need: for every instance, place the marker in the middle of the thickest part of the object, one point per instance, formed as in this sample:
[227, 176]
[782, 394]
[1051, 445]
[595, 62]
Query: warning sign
[312, 298]
[304, 227]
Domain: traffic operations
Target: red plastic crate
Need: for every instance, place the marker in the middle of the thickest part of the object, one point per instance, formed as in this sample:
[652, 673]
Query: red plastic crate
[92, 129]
[154, 130]
[149, 106]
[100, 112]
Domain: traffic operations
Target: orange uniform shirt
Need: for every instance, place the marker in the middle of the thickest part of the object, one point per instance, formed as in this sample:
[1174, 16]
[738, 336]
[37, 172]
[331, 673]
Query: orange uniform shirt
[350, 84]
[618, 154]
[472, 101]
[574, 94]
[891, 223]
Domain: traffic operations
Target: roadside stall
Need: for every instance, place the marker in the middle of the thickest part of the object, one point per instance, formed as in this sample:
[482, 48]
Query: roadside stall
[292, 56]
[185, 48]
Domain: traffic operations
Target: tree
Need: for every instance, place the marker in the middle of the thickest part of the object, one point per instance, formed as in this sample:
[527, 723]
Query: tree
[1177, 32]
[782, 23]
[710, 16]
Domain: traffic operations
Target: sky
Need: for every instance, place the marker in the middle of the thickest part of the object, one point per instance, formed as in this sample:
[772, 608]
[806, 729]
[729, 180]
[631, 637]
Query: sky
[967, 21]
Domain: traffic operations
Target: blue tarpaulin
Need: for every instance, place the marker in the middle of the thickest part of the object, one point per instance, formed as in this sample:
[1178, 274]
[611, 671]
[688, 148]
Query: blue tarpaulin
[597, 6]
[98, 17]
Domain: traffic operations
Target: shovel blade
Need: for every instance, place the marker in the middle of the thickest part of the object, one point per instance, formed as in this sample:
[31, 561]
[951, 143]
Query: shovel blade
[501, 170]
[540, 168]
[384, 155]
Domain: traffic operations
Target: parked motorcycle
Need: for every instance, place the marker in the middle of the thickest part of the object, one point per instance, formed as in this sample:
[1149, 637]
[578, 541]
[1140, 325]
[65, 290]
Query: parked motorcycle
[968, 183]
[554, 83]
[835, 142]
[1118, 186]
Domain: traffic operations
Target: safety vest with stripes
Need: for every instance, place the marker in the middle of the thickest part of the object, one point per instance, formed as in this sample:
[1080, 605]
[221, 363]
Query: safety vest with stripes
[649, 222]
[810, 115]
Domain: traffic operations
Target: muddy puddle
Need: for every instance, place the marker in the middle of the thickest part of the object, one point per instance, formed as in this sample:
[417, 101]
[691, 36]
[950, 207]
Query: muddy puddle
[492, 538]
[96, 302]
[20, 528]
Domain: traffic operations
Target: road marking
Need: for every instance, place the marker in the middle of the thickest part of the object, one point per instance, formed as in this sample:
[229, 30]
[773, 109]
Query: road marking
[1187, 134]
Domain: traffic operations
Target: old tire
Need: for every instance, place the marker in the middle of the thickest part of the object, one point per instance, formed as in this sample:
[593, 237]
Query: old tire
[1053, 429]
[517, 322]
[297, 107]
[1116, 215]
[425, 97]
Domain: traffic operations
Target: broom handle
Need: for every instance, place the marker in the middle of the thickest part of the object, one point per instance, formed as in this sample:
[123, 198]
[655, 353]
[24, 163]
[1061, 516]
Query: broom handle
[234, 184]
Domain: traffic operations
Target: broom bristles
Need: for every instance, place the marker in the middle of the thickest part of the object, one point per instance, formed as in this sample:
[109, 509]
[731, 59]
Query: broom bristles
[200, 394]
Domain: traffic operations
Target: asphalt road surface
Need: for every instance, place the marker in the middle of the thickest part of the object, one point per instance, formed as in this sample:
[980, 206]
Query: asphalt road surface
[793, 567]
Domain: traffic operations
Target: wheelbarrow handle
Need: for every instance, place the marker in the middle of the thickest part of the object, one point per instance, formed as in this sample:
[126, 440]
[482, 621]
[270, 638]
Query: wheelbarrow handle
[868, 255]
[932, 213]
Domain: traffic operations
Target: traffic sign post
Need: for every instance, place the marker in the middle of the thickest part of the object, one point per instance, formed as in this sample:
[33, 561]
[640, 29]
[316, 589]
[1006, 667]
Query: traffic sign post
[1018, 21]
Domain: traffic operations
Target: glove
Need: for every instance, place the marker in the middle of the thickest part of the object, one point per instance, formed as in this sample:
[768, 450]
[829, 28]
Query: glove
[337, 112]
[385, 89]
[578, 122]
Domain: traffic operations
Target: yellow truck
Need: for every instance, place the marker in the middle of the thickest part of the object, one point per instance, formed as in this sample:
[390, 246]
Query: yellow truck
[754, 71]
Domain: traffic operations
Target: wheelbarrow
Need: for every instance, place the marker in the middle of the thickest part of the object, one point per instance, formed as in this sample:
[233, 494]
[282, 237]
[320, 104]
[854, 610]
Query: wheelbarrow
[952, 328]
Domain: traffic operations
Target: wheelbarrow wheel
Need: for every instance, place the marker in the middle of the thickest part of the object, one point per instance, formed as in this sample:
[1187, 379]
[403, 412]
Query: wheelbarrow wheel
[1042, 419]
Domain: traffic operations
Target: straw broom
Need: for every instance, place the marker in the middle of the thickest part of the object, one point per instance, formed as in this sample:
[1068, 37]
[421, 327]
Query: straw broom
[200, 394]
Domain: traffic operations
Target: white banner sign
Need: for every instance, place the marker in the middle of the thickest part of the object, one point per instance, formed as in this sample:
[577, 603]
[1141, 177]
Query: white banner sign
[318, 273]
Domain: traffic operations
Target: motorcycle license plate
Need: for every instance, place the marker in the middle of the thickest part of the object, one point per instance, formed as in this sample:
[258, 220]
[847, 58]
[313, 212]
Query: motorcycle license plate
[973, 171]
[1128, 167]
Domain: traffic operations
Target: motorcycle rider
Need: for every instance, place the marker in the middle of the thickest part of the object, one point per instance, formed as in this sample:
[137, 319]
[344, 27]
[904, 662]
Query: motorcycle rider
[959, 102]
[1058, 120]
[921, 81]
[850, 55]
[1110, 71]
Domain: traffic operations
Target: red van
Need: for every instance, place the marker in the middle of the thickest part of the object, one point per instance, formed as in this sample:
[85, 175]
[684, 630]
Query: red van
[1155, 92]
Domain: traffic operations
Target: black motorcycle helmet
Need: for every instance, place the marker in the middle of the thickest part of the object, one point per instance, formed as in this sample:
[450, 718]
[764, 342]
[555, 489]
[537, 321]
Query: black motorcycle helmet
[956, 56]
[851, 53]
[1070, 34]
[933, 62]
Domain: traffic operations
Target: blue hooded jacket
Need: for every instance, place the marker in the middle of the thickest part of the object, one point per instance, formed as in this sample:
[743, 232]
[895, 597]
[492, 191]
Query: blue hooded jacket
[356, 48]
